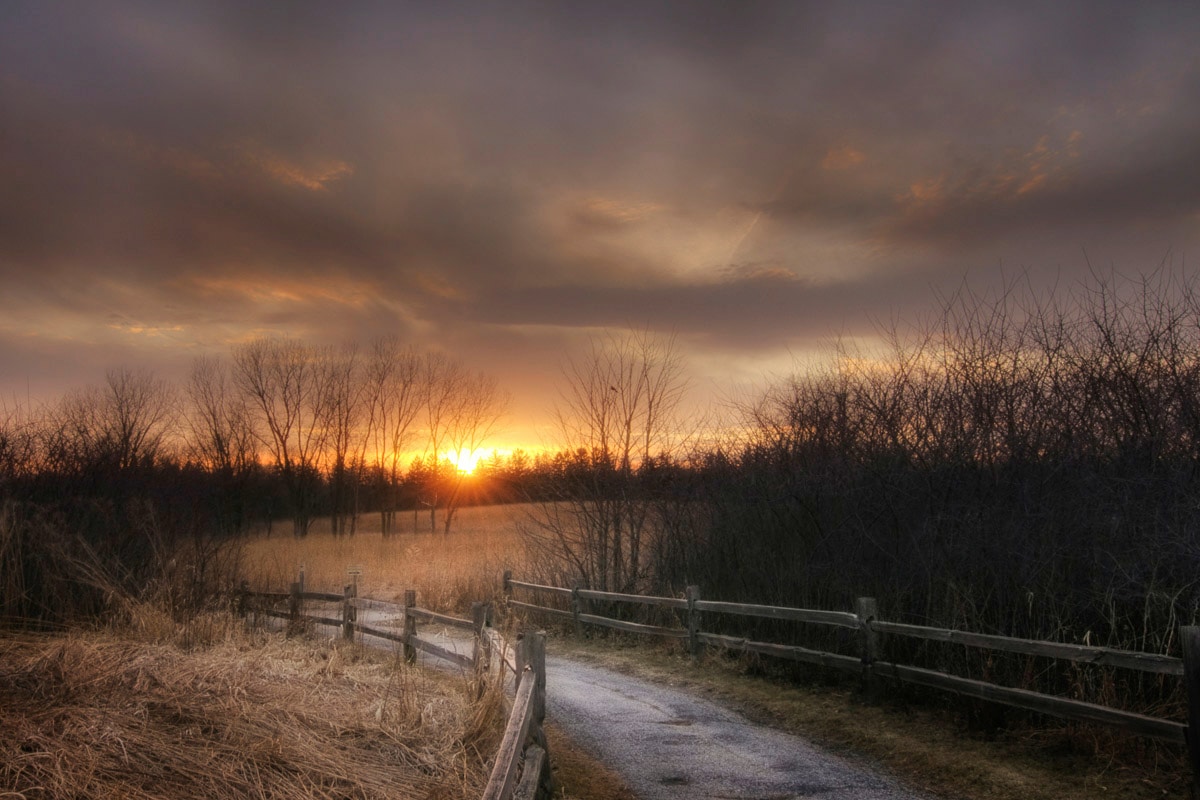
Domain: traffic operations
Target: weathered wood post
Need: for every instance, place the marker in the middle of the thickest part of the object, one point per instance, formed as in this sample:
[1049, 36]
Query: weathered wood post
[410, 625]
[693, 621]
[506, 586]
[521, 657]
[1189, 637]
[576, 610]
[483, 646]
[294, 609]
[239, 599]
[531, 665]
[866, 609]
[538, 662]
[348, 616]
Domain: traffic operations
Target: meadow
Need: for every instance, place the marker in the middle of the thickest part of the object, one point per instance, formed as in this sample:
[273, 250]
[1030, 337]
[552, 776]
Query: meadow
[448, 571]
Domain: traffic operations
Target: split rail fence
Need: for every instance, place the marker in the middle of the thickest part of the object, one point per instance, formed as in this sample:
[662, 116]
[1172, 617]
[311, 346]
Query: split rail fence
[875, 672]
[522, 767]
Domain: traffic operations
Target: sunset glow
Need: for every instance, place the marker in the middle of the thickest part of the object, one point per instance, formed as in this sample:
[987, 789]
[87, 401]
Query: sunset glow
[188, 179]
[465, 460]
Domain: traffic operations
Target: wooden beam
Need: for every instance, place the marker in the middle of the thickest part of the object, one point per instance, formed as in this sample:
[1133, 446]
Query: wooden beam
[425, 615]
[793, 653]
[537, 587]
[1042, 703]
[633, 627]
[331, 597]
[646, 600]
[843, 619]
[554, 612]
[439, 651]
[504, 771]
[531, 774]
[1100, 656]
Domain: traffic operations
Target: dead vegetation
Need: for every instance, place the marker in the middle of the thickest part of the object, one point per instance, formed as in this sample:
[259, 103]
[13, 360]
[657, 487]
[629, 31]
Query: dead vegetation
[241, 714]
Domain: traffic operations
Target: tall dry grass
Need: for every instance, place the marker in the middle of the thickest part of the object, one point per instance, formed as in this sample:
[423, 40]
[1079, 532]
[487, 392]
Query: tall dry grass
[448, 571]
[127, 713]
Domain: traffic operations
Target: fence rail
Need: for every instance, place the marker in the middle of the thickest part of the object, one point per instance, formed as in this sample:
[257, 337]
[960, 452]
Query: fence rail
[1099, 656]
[523, 750]
[876, 672]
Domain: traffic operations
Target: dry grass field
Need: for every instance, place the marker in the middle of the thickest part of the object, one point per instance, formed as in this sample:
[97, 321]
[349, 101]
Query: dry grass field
[448, 571]
[152, 711]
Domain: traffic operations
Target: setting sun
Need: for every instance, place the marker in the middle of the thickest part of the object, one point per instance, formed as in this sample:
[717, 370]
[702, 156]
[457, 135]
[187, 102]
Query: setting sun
[466, 460]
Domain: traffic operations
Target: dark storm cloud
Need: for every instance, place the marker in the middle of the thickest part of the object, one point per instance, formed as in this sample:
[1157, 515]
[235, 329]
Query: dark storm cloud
[747, 174]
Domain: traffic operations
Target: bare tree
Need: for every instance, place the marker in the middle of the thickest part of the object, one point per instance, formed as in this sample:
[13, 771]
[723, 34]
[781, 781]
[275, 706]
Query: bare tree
[441, 378]
[122, 424]
[18, 445]
[477, 407]
[394, 396]
[345, 410]
[283, 380]
[618, 412]
[221, 436]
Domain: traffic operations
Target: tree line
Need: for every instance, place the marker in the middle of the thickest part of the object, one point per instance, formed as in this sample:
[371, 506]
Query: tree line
[1021, 463]
[1018, 463]
[111, 478]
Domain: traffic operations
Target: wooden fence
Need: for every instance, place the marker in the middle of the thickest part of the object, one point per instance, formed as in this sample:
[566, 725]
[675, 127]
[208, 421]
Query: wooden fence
[522, 766]
[869, 630]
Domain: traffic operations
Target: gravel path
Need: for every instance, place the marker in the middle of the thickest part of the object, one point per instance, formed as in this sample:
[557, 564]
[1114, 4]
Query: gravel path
[670, 744]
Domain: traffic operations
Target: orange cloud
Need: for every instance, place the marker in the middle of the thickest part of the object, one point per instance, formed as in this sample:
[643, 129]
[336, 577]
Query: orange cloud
[843, 157]
[606, 211]
[926, 191]
[437, 285]
[347, 293]
[315, 177]
[173, 158]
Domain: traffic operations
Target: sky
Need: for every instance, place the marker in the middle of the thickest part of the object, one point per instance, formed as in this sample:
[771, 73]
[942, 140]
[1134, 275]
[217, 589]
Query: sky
[503, 180]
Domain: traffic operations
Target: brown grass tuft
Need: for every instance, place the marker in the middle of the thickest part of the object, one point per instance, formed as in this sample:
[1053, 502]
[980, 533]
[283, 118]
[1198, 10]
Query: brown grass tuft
[109, 714]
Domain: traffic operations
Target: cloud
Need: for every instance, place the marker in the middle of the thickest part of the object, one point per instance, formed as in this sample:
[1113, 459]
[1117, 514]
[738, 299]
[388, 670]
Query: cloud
[747, 174]
[315, 177]
[843, 157]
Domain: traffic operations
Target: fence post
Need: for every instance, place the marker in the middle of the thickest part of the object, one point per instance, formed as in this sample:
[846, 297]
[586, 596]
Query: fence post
[538, 662]
[348, 615]
[483, 649]
[294, 609]
[410, 625]
[576, 610]
[693, 621]
[1189, 636]
[506, 586]
[239, 602]
[531, 653]
[521, 656]
[866, 609]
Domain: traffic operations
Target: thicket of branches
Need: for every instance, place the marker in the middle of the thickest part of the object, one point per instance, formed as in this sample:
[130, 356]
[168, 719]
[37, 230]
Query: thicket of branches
[1019, 464]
